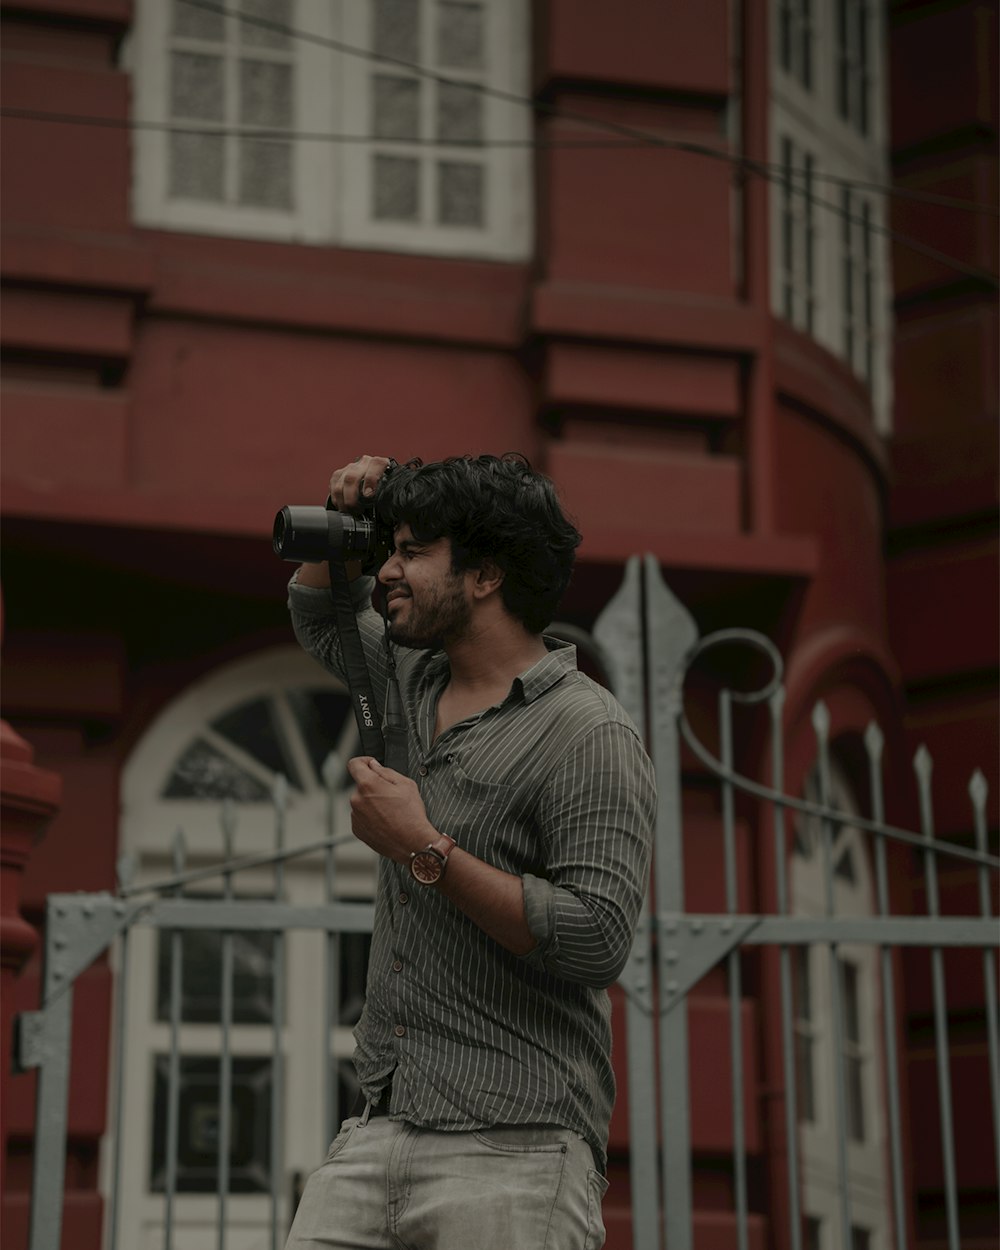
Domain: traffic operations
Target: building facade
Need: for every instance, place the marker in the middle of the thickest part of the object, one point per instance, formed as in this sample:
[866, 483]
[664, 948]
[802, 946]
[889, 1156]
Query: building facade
[723, 271]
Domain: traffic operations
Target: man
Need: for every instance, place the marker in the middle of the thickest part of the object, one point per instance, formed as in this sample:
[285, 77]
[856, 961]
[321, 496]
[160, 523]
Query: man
[514, 858]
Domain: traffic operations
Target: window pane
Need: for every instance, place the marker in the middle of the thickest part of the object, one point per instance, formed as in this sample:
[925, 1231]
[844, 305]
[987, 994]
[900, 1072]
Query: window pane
[195, 23]
[396, 107]
[253, 35]
[253, 725]
[397, 188]
[266, 94]
[785, 34]
[196, 86]
[202, 772]
[250, 1125]
[460, 194]
[844, 868]
[855, 1099]
[266, 182]
[805, 1084]
[460, 35]
[201, 976]
[843, 62]
[803, 983]
[805, 36]
[852, 1010]
[320, 715]
[396, 30]
[459, 114]
[196, 168]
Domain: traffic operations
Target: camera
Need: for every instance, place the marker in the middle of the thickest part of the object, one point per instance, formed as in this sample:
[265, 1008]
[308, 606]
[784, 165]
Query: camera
[309, 534]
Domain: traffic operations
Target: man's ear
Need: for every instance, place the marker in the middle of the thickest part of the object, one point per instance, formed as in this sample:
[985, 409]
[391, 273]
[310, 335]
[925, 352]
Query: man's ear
[488, 579]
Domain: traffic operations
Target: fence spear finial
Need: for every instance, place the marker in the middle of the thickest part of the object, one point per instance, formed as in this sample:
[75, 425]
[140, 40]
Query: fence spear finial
[979, 789]
[125, 871]
[874, 740]
[279, 792]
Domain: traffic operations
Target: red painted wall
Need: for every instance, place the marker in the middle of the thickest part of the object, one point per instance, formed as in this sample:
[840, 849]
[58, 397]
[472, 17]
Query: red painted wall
[163, 394]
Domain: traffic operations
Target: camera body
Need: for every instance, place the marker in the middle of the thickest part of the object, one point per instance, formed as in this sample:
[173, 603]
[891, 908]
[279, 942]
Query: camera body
[317, 535]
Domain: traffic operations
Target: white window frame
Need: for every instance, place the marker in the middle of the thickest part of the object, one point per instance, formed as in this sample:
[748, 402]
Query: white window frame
[331, 180]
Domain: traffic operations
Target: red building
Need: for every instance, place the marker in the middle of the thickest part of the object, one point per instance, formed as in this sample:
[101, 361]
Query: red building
[725, 272]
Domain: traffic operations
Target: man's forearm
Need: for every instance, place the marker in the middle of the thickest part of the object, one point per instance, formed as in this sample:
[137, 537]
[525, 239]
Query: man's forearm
[492, 898]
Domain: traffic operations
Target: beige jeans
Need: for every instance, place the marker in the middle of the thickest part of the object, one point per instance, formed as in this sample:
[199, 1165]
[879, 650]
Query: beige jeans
[386, 1185]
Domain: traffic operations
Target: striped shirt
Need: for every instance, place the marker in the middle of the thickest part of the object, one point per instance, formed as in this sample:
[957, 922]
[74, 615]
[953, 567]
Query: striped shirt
[553, 785]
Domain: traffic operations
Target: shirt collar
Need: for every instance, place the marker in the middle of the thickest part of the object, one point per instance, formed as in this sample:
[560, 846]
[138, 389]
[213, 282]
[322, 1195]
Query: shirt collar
[545, 673]
[534, 681]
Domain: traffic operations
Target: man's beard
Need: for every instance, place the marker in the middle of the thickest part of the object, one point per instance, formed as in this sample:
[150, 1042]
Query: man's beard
[441, 617]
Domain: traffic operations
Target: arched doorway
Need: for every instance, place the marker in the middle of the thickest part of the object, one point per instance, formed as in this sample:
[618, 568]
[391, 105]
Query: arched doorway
[230, 736]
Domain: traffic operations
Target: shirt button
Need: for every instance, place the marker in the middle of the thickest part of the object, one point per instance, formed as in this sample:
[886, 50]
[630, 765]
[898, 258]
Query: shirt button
[449, 758]
[403, 896]
[422, 770]
[399, 1030]
[397, 965]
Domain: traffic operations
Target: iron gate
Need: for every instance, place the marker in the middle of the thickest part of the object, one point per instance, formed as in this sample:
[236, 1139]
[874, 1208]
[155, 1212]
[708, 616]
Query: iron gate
[647, 644]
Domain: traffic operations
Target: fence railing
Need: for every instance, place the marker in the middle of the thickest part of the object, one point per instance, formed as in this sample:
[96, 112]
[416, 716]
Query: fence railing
[647, 645]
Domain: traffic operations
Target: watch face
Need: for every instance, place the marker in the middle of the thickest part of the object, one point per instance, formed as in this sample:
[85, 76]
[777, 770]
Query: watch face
[427, 867]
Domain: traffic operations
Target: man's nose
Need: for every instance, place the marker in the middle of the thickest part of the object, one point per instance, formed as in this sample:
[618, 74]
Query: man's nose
[391, 570]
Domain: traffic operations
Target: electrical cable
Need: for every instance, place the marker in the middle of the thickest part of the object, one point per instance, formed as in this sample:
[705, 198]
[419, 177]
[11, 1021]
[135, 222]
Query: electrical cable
[768, 170]
[777, 175]
[626, 136]
[636, 135]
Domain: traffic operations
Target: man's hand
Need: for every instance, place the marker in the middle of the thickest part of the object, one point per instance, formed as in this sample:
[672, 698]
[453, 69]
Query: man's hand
[387, 812]
[350, 489]
[354, 485]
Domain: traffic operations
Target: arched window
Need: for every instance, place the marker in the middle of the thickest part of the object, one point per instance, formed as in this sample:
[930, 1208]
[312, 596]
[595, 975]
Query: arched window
[230, 736]
[839, 875]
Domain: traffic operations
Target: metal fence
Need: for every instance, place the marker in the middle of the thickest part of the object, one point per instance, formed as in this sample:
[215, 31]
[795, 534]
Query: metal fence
[648, 645]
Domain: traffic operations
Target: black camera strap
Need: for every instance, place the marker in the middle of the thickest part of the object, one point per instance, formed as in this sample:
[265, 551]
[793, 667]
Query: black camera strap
[388, 742]
[355, 666]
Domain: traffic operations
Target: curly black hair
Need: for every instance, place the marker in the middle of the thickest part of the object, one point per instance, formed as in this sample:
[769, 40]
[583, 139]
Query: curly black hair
[490, 507]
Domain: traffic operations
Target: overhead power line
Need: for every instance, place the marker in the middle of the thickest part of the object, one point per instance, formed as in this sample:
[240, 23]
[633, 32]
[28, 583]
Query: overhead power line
[635, 135]
[770, 171]
[625, 136]
[772, 174]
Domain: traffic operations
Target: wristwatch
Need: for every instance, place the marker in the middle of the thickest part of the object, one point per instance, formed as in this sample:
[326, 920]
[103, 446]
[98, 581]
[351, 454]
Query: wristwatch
[428, 866]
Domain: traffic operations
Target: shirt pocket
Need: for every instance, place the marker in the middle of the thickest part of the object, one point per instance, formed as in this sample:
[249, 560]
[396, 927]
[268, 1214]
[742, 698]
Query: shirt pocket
[474, 811]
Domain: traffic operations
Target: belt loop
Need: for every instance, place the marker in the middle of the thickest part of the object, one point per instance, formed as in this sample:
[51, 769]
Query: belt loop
[366, 1113]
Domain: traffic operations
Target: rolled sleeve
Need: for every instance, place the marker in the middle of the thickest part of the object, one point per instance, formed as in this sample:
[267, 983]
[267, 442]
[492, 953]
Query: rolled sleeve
[597, 826]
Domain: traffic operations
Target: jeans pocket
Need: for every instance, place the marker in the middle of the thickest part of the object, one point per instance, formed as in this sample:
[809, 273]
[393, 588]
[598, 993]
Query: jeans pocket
[597, 1187]
[342, 1138]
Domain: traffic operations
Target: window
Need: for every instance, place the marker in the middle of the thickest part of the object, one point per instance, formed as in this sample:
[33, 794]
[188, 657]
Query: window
[369, 123]
[830, 148]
